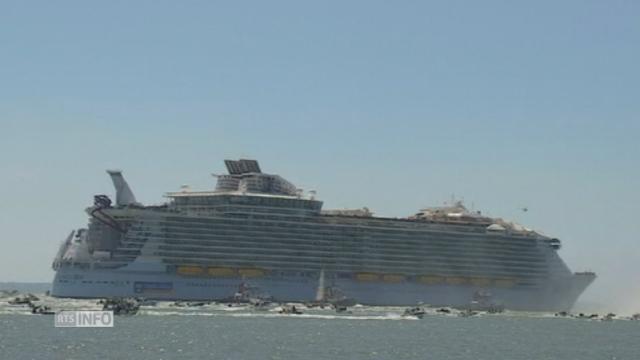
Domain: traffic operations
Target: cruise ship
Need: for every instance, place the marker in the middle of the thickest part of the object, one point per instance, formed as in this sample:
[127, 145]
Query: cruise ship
[259, 230]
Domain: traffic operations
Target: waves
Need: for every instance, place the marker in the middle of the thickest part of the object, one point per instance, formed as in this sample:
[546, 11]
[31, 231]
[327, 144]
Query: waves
[358, 312]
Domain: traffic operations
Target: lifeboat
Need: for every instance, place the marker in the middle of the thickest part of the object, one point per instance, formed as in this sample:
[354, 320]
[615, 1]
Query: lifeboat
[430, 279]
[251, 272]
[190, 270]
[222, 272]
[393, 278]
[455, 280]
[480, 281]
[367, 277]
[505, 283]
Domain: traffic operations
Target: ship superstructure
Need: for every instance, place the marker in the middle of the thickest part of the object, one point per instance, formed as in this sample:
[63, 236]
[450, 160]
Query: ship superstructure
[259, 228]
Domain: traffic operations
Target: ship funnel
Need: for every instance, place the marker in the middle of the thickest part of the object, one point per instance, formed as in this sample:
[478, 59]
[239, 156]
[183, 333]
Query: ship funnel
[124, 195]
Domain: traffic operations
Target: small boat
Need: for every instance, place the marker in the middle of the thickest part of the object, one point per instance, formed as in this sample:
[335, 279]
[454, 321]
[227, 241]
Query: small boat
[121, 306]
[609, 317]
[340, 308]
[484, 301]
[188, 304]
[41, 310]
[330, 296]
[291, 310]
[8, 293]
[262, 304]
[495, 309]
[246, 294]
[196, 304]
[20, 301]
[467, 313]
[146, 302]
[415, 311]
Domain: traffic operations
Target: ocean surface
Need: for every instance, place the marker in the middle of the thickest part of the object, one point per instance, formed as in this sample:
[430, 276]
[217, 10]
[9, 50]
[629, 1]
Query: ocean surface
[216, 331]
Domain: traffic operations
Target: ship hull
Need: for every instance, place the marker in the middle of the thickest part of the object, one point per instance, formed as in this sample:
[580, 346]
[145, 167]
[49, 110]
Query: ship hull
[559, 295]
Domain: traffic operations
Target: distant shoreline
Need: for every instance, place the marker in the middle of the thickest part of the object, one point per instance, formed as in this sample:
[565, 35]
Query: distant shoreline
[25, 286]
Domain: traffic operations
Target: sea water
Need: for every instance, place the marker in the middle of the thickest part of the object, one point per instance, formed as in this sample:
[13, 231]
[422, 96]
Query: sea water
[221, 332]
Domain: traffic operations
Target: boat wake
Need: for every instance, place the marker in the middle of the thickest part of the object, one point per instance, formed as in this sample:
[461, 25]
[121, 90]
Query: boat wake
[17, 305]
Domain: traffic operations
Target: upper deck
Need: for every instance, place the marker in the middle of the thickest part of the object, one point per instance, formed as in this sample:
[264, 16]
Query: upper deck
[246, 186]
[202, 201]
[247, 190]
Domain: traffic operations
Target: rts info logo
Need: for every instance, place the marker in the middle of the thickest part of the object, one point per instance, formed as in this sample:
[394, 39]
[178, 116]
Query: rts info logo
[84, 318]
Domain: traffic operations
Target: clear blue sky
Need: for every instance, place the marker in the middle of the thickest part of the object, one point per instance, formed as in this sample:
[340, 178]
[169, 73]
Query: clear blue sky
[390, 105]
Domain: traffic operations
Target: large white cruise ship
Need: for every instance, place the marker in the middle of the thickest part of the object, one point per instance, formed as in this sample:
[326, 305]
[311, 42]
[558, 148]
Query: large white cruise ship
[259, 229]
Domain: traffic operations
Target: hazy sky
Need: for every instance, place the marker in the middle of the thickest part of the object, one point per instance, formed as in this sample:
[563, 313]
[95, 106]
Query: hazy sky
[390, 105]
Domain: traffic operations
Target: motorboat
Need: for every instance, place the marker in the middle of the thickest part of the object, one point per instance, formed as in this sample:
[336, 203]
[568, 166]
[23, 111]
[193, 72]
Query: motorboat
[414, 311]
